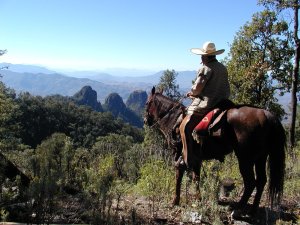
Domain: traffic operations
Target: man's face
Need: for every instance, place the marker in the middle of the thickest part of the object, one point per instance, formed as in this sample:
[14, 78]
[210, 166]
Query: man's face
[203, 59]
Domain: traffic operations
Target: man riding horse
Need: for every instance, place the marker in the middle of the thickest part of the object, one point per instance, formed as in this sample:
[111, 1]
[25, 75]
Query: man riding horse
[210, 88]
[255, 135]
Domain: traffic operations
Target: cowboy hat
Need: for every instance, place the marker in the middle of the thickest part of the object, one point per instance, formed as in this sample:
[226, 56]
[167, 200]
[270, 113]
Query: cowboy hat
[208, 48]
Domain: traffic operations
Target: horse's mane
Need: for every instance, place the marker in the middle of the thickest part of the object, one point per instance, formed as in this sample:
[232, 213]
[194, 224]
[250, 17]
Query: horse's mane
[167, 101]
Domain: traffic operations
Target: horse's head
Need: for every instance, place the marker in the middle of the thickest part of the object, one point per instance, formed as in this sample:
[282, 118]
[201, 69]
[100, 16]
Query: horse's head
[151, 114]
[161, 108]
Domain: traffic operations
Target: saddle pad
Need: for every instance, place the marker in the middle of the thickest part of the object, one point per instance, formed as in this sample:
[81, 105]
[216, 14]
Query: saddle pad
[202, 127]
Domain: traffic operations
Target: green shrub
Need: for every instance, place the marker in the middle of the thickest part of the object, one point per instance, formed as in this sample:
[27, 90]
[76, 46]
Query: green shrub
[156, 183]
[292, 174]
[99, 180]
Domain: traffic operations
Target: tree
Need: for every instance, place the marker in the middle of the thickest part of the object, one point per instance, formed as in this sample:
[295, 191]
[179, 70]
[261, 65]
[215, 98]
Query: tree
[156, 183]
[116, 145]
[41, 117]
[9, 111]
[259, 62]
[53, 159]
[2, 52]
[168, 84]
[100, 177]
[281, 6]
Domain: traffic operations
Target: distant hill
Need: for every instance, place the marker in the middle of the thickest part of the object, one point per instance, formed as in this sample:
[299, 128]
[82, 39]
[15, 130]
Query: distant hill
[136, 102]
[50, 84]
[114, 104]
[38, 80]
[184, 78]
[87, 96]
[20, 68]
[41, 81]
[130, 113]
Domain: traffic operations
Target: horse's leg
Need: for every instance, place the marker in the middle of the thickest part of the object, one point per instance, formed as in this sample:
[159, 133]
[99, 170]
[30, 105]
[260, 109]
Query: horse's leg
[261, 180]
[196, 181]
[246, 169]
[179, 170]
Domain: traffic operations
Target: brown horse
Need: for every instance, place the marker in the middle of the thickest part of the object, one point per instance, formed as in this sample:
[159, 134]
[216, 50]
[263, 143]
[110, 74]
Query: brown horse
[253, 134]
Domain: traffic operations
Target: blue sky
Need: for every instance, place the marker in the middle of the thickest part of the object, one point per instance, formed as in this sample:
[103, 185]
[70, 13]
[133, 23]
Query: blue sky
[99, 34]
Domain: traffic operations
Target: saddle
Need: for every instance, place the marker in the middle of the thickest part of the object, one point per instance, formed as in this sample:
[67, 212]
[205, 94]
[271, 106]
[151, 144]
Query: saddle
[212, 122]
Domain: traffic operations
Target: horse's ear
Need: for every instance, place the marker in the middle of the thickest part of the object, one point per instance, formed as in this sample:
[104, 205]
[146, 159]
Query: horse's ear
[153, 90]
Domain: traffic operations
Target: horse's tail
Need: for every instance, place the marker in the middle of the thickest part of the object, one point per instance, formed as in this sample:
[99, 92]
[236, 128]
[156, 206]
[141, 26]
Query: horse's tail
[276, 160]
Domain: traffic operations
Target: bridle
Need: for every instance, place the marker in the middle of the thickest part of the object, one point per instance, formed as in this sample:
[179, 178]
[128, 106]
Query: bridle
[161, 122]
[159, 119]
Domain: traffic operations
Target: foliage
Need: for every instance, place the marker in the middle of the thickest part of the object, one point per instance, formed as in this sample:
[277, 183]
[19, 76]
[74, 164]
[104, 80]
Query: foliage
[2, 52]
[3, 215]
[115, 145]
[135, 157]
[168, 84]
[119, 189]
[100, 177]
[8, 112]
[156, 145]
[285, 8]
[10, 191]
[292, 182]
[297, 125]
[156, 182]
[51, 173]
[259, 62]
[41, 117]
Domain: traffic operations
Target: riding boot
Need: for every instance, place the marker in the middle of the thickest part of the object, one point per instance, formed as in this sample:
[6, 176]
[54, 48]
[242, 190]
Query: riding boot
[177, 124]
[197, 137]
[188, 143]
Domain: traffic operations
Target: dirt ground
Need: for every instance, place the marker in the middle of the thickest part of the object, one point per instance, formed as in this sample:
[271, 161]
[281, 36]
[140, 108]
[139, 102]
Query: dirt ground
[141, 212]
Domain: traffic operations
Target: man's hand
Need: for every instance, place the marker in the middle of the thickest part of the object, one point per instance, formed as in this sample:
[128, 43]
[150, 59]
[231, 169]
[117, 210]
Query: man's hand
[189, 94]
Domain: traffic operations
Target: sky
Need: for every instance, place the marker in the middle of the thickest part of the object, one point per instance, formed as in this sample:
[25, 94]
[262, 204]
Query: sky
[147, 35]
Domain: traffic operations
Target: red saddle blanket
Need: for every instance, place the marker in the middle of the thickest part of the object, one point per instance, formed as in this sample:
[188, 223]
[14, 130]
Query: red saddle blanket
[202, 127]
[212, 122]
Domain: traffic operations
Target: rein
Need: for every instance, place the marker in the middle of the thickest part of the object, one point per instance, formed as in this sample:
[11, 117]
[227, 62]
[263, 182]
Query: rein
[159, 119]
[169, 111]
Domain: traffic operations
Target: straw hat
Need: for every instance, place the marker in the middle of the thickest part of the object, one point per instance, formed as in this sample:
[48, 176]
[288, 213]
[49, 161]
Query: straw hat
[208, 48]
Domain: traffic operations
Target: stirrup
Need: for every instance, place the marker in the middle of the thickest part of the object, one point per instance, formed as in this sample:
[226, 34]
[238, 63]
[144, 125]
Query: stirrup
[179, 162]
[197, 137]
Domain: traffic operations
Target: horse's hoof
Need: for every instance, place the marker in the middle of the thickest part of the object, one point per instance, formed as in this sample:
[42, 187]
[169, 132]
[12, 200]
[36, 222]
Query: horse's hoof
[239, 214]
[175, 202]
[253, 211]
[234, 205]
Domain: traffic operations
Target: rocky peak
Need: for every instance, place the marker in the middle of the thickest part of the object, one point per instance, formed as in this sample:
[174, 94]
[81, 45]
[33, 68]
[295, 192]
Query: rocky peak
[114, 103]
[88, 96]
[136, 101]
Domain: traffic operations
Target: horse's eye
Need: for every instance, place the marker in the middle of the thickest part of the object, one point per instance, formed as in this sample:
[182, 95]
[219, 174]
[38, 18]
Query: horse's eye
[148, 104]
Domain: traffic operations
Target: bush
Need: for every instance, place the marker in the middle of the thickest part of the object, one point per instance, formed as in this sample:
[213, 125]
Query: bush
[156, 183]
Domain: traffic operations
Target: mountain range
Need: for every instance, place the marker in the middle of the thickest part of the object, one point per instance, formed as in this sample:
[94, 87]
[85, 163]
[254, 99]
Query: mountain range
[38, 80]
[130, 112]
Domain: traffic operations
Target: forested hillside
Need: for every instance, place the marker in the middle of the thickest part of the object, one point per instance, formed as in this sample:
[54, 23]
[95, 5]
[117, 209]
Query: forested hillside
[57, 143]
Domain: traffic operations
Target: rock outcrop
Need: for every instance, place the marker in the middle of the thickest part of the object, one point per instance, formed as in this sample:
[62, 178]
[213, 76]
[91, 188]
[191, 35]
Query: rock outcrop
[114, 104]
[136, 102]
[87, 96]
